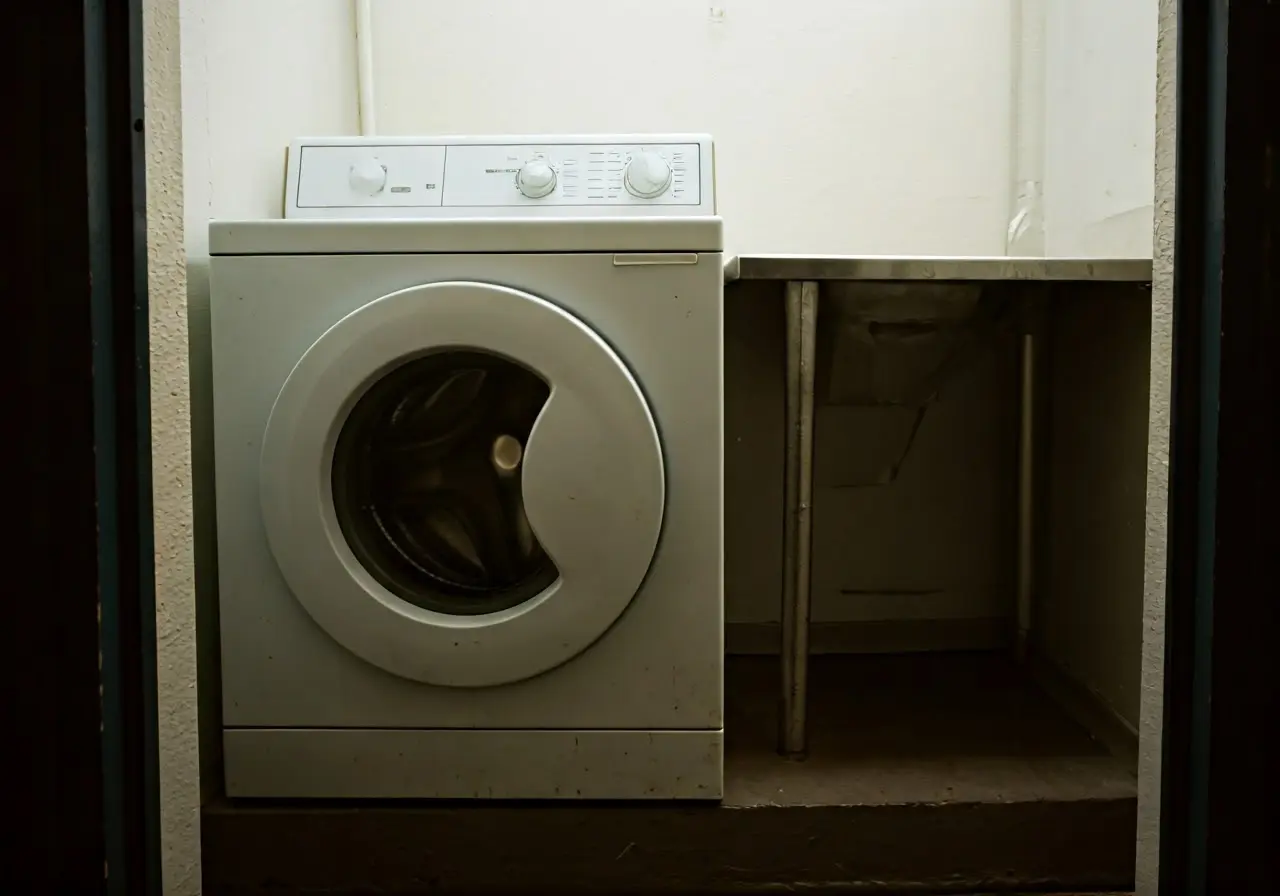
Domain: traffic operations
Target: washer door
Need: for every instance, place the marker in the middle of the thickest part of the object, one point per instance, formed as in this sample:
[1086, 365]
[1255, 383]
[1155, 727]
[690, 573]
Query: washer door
[462, 484]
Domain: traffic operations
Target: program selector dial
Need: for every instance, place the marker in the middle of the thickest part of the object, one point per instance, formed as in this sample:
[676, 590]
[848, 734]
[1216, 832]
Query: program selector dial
[648, 175]
[536, 179]
[367, 176]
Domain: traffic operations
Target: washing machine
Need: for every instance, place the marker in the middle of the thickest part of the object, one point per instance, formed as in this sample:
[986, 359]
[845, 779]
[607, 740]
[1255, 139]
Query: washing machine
[468, 440]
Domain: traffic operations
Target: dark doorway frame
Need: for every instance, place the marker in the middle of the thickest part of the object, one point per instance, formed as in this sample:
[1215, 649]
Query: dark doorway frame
[80, 629]
[1219, 794]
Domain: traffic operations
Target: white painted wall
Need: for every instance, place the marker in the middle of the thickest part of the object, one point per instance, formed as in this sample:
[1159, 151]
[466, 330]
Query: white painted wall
[256, 74]
[867, 126]
[870, 126]
[1099, 121]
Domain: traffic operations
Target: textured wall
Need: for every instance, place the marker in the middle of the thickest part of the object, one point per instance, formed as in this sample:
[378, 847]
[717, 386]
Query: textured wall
[171, 455]
[1151, 713]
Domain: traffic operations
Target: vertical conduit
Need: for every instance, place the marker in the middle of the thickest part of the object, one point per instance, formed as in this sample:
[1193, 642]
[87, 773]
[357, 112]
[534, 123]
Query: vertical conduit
[364, 67]
[1026, 230]
[1026, 237]
[1026, 493]
[802, 324]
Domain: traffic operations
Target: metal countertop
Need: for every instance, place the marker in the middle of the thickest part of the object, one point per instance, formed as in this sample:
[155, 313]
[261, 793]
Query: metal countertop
[888, 267]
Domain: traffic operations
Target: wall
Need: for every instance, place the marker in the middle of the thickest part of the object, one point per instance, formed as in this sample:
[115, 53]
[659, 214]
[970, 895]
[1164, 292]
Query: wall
[170, 453]
[878, 126]
[875, 126]
[1087, 618]
[1152, 705]
[1099, 134]
[258, 73]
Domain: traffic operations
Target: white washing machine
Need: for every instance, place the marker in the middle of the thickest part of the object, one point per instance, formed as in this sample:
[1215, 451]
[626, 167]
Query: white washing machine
[468, 422]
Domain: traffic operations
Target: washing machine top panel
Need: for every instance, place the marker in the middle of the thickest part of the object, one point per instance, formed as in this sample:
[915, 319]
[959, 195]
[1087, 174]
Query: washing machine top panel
[505, 176]
[474, 236]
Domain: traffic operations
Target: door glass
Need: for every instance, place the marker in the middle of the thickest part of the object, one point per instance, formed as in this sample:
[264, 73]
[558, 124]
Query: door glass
[426, 483]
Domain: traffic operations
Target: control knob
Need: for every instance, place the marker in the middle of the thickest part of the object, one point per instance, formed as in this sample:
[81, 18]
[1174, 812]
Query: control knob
[367, 176]
[535, 179]
[648, 175]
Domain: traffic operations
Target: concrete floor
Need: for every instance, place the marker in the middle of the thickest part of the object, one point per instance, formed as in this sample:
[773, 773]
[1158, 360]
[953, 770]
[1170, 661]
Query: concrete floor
[927, 773]
[913, 729]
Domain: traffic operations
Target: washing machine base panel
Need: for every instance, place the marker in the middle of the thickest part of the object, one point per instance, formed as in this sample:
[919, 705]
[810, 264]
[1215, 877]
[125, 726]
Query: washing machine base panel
[290, 763]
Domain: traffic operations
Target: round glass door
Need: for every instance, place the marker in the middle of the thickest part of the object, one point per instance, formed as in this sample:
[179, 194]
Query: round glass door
[462, 484]
[427, 483]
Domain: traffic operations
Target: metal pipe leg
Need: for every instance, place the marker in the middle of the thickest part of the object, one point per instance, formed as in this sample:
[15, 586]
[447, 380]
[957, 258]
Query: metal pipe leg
[1026, 492]
[802, 324]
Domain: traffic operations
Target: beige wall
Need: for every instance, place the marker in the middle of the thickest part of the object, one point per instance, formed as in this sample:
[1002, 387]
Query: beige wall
[272, 70]
[171, 455]
[1088, 608]
[1158, 459]
[1099, 96]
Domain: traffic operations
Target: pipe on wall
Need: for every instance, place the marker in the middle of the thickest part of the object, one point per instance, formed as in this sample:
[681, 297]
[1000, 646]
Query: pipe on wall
[1025, 235]
[364, 67]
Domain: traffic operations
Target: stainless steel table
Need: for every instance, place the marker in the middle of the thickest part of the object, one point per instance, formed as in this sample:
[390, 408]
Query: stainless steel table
[804, 275]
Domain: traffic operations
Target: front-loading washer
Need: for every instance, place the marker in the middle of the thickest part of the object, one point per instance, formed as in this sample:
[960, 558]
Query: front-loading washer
[468, 441]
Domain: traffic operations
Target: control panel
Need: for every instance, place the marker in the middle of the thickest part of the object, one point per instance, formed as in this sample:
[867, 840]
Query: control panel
[379, 177]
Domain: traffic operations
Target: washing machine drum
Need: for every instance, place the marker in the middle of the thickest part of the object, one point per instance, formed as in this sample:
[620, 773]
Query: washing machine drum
[462, 484]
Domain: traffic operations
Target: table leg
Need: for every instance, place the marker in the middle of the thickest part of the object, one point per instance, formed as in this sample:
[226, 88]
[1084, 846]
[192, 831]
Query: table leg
[1026, 492]
[802, 322]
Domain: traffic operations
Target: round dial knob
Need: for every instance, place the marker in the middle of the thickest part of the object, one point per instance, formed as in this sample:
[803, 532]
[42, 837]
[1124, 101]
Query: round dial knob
[367, 176]
[535, 179]
[648, 175]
